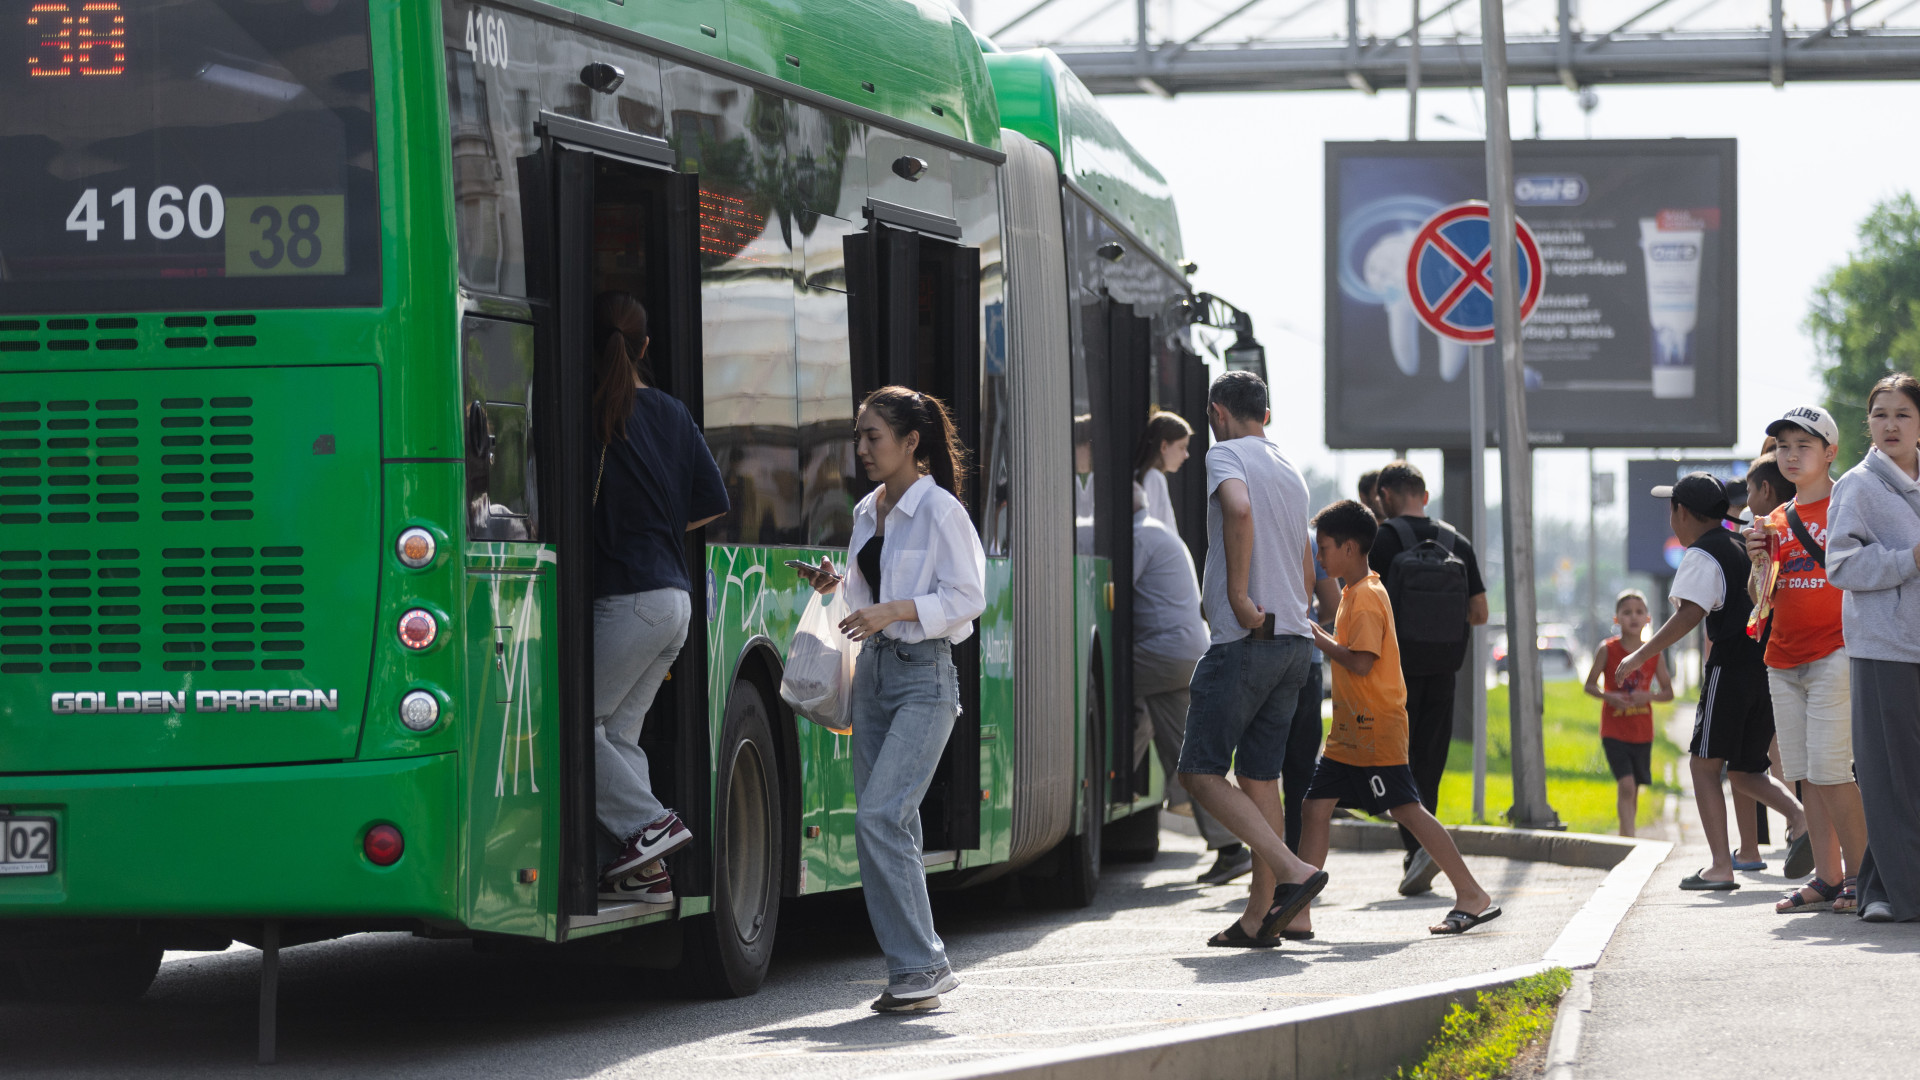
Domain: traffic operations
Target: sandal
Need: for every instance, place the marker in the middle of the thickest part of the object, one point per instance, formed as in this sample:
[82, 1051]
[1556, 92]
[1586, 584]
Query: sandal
[1459, 922]
[1697, 883]
[1297, 935]
[1848, 902]
[1233, 937]
[1796, 899]
[1289, 900]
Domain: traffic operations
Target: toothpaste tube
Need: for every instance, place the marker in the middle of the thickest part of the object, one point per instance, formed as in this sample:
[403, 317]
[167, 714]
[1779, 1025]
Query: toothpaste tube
[1673, 303]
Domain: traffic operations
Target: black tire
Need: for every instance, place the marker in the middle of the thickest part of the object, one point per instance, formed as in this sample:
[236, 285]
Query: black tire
[107, 973]
[1075, 880]
[728, 949]
[1134, 838]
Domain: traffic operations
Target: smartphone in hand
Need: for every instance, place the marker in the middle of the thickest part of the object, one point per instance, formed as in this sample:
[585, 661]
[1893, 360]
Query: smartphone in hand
[811, 570]
[1264, 632]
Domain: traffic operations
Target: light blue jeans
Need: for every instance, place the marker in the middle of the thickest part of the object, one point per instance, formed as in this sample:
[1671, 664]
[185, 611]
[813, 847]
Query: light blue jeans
[905, 699]
[636, 638]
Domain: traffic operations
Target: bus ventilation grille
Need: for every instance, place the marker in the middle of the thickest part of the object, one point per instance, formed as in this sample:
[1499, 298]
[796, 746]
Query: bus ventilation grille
[181, 332]
[113, 610]
[118, 460]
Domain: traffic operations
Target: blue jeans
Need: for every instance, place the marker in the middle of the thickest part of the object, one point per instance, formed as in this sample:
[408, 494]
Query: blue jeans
[905, 699]
[1243, 696]
[636, 638]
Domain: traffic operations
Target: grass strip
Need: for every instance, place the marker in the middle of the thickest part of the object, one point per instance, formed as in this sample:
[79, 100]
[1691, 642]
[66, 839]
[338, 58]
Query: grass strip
[1481, 1042]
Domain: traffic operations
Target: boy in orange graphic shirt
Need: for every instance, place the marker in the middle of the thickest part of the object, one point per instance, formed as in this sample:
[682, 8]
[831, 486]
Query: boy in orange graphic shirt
[1364, 766]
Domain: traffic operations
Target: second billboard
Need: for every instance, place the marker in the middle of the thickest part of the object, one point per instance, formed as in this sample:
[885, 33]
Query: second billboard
[1633, 341]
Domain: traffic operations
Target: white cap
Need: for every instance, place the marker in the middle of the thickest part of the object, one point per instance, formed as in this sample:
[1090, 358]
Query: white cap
[1811, 419]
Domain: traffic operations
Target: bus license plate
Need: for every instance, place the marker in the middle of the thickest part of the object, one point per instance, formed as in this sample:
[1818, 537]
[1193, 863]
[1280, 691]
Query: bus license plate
[26, 845]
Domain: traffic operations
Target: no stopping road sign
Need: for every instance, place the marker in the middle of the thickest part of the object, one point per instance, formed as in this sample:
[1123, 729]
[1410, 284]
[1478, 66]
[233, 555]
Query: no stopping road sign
[1450, 268]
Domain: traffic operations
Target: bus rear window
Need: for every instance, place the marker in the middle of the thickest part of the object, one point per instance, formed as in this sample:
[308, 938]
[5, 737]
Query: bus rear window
[186, 154]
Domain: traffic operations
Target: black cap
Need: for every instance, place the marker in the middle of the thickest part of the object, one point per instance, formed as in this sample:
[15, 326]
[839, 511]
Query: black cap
[1700, 493]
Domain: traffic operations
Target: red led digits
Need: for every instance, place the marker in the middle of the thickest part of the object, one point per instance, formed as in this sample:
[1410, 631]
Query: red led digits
[92, 41]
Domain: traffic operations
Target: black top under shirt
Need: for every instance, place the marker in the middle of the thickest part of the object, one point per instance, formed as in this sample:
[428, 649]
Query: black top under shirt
[656, 480]
[1424, 656]
[1727, 627]
[870, 564]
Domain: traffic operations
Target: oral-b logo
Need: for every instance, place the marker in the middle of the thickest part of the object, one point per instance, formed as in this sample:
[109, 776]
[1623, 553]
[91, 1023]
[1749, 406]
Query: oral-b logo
[89, 702]
[1673, 252]
[1550, 190]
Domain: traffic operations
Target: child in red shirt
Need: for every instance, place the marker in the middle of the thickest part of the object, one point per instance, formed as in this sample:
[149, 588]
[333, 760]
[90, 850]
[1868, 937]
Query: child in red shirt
[1626, 710]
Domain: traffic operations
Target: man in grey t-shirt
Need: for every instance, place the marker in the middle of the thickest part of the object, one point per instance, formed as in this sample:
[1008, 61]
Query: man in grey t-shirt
[1258, 579]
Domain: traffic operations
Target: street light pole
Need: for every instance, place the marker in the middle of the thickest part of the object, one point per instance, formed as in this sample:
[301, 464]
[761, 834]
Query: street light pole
[1525, 703]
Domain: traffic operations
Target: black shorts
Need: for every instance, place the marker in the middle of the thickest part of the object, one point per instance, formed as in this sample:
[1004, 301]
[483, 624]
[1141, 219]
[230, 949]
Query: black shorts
[1735, 719]
[1374, 789]
[1633, 759]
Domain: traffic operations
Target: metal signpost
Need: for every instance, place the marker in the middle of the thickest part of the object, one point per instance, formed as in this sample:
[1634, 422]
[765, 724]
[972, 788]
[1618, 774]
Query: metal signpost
[1449, 287]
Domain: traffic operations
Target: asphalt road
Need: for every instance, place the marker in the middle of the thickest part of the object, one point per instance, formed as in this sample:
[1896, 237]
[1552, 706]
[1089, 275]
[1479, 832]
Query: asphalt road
[381, 1005]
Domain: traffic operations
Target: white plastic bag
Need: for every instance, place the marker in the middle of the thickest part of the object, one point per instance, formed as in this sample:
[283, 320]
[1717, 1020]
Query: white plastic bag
[818, 683]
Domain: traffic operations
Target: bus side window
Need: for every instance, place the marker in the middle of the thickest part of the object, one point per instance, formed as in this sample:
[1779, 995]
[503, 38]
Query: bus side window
[496, 376]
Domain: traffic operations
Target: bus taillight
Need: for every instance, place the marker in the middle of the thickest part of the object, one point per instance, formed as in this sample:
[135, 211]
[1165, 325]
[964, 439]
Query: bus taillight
[418, 628]
[383, 845]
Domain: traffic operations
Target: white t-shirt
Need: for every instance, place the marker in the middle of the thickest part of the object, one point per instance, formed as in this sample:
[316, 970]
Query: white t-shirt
[1699, 579]
[1274, 577]
[1159, 501]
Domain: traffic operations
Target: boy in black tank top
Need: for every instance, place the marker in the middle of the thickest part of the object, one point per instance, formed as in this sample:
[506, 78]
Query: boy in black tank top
[1733, 724]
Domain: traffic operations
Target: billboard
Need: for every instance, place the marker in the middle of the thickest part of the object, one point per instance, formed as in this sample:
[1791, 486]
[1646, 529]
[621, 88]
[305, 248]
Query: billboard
[1651, 548]
[1632, 343]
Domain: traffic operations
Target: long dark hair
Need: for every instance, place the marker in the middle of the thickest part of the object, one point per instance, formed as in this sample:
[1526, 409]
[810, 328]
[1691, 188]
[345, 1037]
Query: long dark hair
[939, 451]
[1162, 428]
[620, 342]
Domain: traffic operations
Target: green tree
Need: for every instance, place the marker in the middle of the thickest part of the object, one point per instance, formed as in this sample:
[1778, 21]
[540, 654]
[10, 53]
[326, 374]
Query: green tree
[1865, 317]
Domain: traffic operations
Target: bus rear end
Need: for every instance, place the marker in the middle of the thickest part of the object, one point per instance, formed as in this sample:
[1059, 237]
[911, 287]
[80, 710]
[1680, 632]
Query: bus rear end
[200, 491]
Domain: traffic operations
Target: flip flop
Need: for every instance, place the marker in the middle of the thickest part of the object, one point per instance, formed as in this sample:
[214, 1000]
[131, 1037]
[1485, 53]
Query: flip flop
[1290, 900]
[1235, 938]
[1459, 922]
[1696, 883]
[1757, 864]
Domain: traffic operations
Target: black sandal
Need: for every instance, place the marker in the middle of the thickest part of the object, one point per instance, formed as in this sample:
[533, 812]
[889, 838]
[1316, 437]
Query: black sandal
[1289, 900]
[1233, 937]
[1459, 922]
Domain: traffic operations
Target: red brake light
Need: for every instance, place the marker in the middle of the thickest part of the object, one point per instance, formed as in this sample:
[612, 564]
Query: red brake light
[383, 845]
[418, 628]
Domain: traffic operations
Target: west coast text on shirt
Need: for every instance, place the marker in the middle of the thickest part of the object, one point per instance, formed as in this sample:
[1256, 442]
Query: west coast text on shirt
[1806, 606]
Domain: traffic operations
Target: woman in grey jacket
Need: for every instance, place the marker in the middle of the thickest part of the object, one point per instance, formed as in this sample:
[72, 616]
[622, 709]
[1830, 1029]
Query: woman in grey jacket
[1873, 554]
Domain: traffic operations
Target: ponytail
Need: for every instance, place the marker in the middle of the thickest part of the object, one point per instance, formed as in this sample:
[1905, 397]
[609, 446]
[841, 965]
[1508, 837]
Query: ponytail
[939, 453]
[1162, 428]
[620, 338]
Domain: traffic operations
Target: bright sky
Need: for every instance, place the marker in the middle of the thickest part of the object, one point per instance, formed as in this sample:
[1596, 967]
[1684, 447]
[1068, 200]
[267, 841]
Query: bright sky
[1247, 170]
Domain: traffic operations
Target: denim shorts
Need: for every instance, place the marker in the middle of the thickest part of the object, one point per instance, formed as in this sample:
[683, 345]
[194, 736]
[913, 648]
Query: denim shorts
[1243, 697]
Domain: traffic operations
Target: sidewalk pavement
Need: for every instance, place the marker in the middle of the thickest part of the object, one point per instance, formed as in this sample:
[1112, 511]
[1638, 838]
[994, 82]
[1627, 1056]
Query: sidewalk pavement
[1714, 984]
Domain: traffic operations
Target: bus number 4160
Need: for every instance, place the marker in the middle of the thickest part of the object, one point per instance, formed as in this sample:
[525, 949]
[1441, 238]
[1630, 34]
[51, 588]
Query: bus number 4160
[169, 213]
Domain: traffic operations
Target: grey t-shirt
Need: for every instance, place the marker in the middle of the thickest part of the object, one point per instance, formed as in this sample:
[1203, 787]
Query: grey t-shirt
[1166, 595]
[1274, 578]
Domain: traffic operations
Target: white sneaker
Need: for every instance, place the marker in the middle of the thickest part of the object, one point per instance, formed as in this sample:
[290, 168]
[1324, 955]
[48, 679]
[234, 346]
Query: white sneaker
[649, 885]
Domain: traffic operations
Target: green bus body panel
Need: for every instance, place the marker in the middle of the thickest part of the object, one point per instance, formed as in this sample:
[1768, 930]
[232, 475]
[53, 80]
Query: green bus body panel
[283, 842]
[1043, 100]
[236, 557]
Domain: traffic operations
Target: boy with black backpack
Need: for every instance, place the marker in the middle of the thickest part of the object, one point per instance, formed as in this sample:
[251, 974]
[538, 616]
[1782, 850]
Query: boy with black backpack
[1433, 580]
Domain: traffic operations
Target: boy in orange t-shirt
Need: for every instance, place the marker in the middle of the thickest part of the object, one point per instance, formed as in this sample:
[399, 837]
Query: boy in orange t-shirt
[1364, 766]
[1626, 710]
[1808, 673]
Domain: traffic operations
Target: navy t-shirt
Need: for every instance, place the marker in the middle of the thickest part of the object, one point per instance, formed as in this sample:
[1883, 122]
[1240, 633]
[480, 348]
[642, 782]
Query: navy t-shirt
[661, 477]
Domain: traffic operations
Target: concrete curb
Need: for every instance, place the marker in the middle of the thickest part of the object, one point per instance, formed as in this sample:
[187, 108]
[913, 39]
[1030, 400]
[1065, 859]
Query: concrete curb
[1569, 1023]
[1368, 1036]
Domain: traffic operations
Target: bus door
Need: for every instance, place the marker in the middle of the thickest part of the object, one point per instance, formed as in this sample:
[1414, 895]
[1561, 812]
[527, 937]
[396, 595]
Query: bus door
[913, 310]
[622, 220]
[1120, 420]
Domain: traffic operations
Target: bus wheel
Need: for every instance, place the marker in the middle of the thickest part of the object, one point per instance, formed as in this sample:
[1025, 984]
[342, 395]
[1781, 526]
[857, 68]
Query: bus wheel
[1134, 838]
[1076, 862]
[95, 974]
[728, 949]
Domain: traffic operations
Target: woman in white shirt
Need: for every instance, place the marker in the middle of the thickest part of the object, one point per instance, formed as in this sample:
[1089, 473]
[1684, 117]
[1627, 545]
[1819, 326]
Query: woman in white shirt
[916, 580]
[1163, 449]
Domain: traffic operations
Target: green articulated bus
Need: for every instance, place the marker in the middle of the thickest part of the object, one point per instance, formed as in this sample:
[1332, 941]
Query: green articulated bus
[296, 473]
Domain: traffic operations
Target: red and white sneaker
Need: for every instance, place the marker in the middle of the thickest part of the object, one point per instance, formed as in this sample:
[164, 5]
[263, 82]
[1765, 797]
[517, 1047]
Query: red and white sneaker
[656, 841]
[649, 885]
